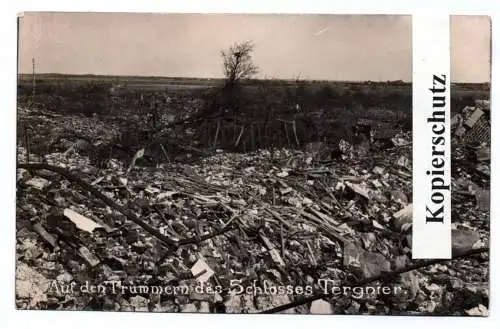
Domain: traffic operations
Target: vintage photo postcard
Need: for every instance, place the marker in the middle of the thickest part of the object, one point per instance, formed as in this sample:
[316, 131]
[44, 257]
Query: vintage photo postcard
[248, 163]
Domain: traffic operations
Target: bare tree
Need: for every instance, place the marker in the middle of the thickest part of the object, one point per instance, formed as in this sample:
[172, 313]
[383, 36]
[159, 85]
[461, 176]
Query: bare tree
[238, 62]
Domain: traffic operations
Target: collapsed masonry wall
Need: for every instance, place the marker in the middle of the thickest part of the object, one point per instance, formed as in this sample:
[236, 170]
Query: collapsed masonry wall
[473, 124]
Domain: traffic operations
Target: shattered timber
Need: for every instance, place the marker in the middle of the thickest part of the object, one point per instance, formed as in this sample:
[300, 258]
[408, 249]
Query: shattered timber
[154, 202]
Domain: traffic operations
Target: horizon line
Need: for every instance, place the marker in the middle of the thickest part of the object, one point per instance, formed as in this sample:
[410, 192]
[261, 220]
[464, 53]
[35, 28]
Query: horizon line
[222, 78]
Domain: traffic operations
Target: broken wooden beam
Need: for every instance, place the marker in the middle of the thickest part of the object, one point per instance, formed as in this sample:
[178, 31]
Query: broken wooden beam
[49, 238]
[382, 277]
[279, 217]
[273, 252]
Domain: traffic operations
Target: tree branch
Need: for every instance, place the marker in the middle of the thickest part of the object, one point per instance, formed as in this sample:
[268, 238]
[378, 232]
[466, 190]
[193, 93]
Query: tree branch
[381, 277]
[148, 228]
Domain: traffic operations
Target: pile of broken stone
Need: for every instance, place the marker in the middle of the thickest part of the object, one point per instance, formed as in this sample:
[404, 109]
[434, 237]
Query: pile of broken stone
[288, 221]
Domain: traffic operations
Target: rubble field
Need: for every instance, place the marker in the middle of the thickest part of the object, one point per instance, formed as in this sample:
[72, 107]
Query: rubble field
[276, 230]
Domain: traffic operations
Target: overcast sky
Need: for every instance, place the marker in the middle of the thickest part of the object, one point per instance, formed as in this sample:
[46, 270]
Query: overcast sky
[330, 47]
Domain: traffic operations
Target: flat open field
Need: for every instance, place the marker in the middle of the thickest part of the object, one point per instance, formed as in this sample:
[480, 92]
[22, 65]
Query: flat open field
[460, 91]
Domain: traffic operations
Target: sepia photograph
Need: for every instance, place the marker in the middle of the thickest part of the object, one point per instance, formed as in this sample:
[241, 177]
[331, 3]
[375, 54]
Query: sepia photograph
[243, 163]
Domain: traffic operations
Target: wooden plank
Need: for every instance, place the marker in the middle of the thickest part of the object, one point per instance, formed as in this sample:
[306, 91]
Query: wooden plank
[275, 255]
[38, 228]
